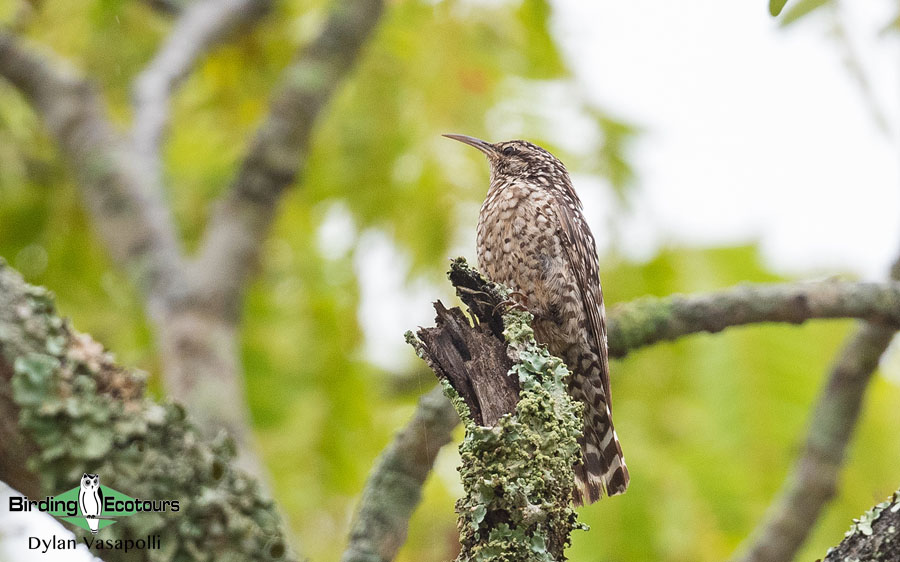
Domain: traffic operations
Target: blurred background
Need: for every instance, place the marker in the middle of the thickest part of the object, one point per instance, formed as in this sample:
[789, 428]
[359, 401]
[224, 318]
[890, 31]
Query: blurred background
[711, 144]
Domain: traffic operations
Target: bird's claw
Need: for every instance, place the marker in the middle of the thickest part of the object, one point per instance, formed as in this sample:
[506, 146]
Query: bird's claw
[520, 302]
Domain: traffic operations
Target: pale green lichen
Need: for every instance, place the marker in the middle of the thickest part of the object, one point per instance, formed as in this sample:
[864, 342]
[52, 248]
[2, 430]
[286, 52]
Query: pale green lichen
[518, 474]
[864, 523]
[462, 409]
[638, 321]
[517, 328]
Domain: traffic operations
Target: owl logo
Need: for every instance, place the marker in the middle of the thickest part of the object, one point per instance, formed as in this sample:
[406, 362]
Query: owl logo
[90, 499]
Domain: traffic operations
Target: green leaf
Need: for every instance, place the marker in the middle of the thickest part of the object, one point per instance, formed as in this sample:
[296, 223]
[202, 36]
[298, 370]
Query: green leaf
[775, 6]
[802, 9]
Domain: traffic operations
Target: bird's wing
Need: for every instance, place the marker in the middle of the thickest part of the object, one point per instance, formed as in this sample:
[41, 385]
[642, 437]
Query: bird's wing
[582, 253]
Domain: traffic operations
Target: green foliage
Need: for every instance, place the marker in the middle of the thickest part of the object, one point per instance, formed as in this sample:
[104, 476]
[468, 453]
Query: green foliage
[801, 9]
[775, 6]
[612, 157]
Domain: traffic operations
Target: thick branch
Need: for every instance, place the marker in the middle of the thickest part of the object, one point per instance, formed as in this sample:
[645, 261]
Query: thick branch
[393, 489]
[199, 28]
[137, 231]
[76, 411]
[874, 536]
[241, 220]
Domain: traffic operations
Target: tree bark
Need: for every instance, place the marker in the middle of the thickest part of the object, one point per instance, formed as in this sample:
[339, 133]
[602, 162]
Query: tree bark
[875, 536]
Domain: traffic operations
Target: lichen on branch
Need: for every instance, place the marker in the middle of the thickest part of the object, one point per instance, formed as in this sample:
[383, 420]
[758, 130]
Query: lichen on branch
[75, 411]
[875, 535]
[518, 454]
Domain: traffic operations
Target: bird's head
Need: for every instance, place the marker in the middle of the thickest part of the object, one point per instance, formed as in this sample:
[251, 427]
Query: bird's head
[516, 158]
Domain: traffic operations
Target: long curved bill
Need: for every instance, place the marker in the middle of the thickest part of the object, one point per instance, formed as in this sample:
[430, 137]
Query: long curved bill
[481, 145]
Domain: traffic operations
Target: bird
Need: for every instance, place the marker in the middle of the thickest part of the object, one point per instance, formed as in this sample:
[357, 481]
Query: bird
[90, 500]
[532, 237]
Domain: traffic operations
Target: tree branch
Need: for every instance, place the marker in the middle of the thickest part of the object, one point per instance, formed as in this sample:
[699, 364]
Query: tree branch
[77, 411]
[651, 320]
[874, 536]
[813, 480]
[139, 234]
[200, 27]
[393, 489]
[276, 155]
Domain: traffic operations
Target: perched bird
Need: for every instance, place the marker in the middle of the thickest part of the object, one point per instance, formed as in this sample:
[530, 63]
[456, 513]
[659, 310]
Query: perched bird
[532, 237]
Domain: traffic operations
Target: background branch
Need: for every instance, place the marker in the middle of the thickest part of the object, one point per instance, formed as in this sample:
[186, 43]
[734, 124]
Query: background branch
[199, 336]
[393, 489]
[200, 27]
[650, 320]
[139, 237]
[812, 481]
[193, 305]
[277, 153]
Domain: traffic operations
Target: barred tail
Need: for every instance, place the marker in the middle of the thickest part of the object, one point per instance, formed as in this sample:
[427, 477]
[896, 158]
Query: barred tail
[602, 470]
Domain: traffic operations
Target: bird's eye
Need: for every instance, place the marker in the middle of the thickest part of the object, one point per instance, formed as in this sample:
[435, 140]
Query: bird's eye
[508, 151]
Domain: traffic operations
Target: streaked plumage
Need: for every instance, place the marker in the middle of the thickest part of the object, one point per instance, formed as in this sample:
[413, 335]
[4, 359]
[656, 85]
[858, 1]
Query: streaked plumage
[533, 238]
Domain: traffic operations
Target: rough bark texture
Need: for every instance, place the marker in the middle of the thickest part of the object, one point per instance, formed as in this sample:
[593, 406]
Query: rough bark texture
[521, 426]
[67, 409]
[874, 537]
[474, 361]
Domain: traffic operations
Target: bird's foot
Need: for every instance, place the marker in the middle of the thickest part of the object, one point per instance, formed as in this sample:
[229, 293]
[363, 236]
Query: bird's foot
[515, 300]
[482, 298]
